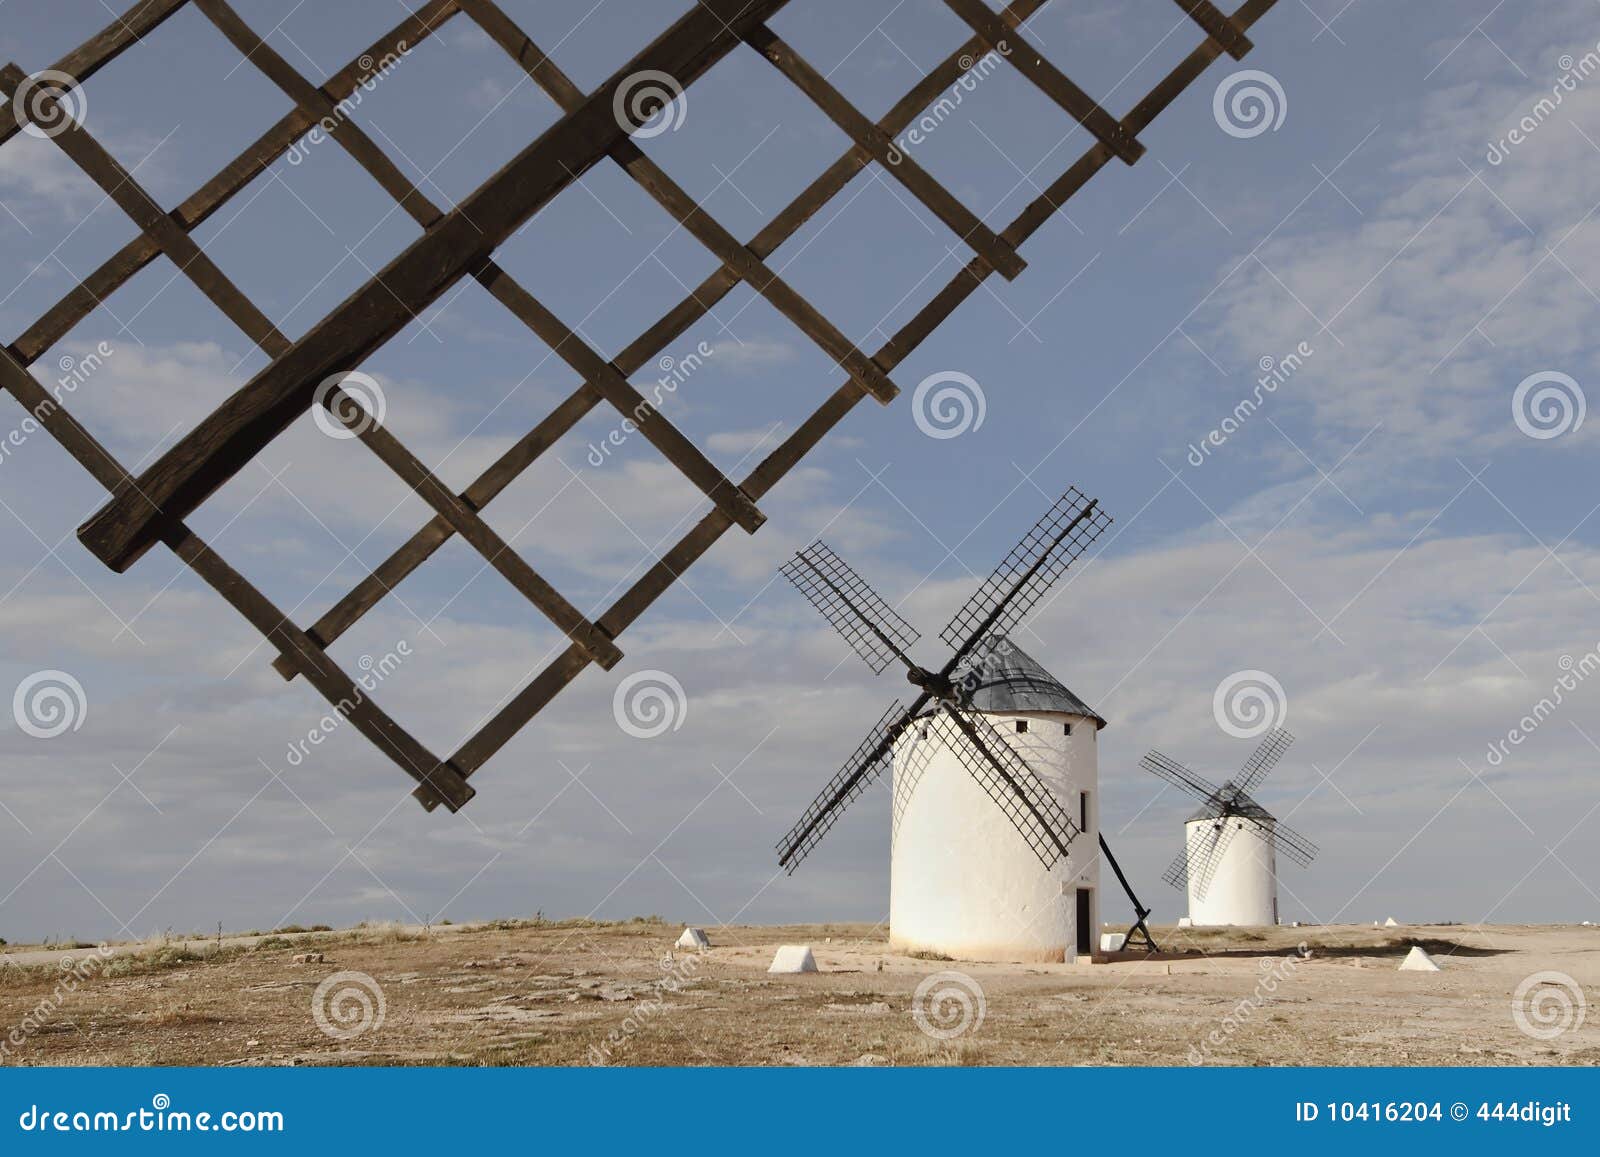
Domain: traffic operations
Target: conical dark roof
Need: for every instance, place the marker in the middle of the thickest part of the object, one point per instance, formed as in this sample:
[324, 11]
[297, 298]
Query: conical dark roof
[1010, 679]
[1242, 806]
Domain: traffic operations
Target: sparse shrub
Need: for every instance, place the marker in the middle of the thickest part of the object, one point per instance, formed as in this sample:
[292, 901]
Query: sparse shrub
[922, 1052]
[166, 958]
[385, 932]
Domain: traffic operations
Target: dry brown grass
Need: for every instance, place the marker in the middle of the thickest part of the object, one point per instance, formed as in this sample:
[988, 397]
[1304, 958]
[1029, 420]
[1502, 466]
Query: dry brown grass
[538, 992]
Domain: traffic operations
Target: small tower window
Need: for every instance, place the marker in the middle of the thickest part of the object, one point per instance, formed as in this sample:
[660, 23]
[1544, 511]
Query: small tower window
[1022, 725]
[1066, 729]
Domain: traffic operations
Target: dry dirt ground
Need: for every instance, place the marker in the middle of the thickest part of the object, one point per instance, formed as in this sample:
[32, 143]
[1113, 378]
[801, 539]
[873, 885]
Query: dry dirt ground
[541, 993]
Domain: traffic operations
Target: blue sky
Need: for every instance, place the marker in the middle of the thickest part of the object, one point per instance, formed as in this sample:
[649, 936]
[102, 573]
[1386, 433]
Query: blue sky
[1380, 535]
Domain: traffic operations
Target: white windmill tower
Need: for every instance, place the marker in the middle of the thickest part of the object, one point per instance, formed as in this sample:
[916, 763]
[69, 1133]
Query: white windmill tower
[1229, 863]
[995, 769]
[961, 883]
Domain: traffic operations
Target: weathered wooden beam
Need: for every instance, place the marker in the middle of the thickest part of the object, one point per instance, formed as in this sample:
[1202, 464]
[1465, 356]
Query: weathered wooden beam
[230, 437]
[101, 49]
[699, 302]
[82, 299]
[1218, 26]
[671, 196]
[1187, 70]
[119, 185]
[420, 547]
[438, 782]
[308, 97]
[1007, 39]
[612, 384]
[495, 550]
[633, 602]
[935, 197]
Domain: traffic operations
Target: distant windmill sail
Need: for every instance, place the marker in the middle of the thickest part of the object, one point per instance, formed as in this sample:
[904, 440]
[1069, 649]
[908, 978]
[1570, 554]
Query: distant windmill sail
[1230, 808]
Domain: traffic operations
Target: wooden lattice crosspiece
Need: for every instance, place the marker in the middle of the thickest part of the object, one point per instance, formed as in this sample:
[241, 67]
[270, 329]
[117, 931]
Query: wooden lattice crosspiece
[152, 506]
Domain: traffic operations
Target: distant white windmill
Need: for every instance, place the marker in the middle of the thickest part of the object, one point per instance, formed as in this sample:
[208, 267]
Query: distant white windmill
[1229, 864]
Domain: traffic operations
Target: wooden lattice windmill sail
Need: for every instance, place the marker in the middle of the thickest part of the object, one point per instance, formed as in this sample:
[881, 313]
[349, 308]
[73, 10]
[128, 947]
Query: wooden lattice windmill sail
[152, 506]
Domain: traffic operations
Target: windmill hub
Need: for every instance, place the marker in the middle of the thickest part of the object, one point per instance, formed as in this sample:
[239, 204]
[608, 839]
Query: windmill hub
[941, 687]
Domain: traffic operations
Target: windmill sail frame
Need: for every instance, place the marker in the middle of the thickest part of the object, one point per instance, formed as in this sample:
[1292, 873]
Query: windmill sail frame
[150, 507]
[871, 626]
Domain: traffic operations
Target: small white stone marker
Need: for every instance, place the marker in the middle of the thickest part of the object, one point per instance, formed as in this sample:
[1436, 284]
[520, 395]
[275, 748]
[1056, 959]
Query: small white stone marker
[1185, 922]
[1112, 941]
[794, 958]
[1418, 961]
[1391, 922]
[693, 938]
